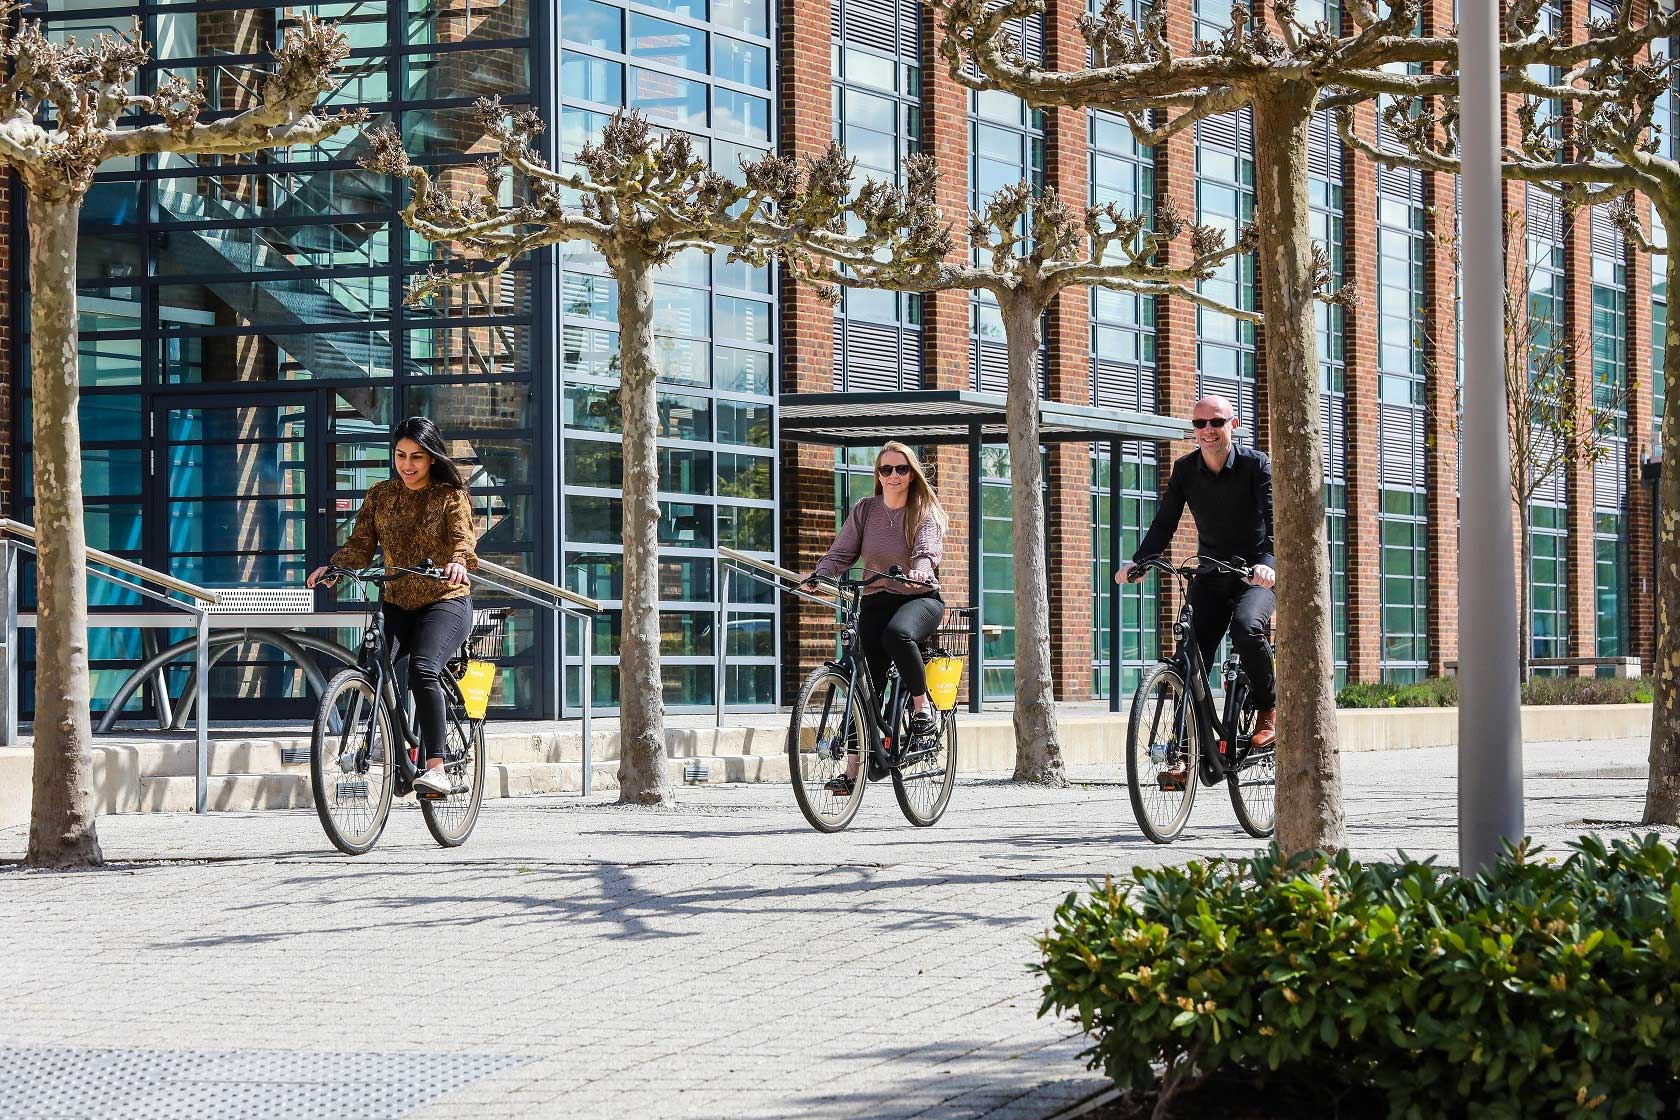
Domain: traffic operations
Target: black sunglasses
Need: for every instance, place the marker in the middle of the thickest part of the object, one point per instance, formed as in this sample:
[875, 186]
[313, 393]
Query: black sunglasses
[893, 468]
[1216, 421]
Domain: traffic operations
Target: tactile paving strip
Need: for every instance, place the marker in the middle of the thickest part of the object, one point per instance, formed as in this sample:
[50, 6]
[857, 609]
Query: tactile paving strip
[75, 1083]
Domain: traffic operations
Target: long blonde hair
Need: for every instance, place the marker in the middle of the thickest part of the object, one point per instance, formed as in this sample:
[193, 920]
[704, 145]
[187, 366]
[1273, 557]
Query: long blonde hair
[922, 504]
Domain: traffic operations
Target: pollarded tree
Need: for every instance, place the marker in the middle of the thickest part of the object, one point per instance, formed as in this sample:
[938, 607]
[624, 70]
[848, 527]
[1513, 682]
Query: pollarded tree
[642, 198]
[1284, 71]
[66, 108]
[1029, 248]
[1602, 149]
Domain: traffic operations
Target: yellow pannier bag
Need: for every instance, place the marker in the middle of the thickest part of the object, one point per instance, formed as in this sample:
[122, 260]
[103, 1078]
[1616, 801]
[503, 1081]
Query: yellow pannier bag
[944, 674]
[476, 683]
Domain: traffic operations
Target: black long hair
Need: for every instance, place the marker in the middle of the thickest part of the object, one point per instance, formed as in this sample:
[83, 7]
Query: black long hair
[421, 430]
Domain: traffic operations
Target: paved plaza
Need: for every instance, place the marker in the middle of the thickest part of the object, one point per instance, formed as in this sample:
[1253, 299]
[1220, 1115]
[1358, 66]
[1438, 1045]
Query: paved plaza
[575, 958]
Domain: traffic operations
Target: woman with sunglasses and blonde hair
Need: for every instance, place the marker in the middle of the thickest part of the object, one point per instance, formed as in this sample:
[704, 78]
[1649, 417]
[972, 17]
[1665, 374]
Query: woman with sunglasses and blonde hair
[902, 526]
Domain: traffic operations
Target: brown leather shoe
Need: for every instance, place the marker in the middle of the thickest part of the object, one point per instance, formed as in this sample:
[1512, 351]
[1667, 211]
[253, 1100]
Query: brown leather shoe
[1265, 729]
[1171, 781]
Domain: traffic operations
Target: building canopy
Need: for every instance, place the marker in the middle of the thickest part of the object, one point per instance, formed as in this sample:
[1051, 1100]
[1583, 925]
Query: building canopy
[955, 416]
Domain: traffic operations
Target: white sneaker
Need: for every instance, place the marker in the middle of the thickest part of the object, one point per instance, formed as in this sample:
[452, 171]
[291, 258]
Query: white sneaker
[434, 782]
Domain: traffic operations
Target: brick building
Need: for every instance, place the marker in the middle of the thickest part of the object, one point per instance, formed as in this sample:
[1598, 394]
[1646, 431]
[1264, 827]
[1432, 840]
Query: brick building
[246, 349]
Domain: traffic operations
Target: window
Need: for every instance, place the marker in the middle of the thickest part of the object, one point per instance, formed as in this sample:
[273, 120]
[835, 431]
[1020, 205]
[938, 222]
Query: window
[1122, 323]
[1006, 146]
[1549, 579]
[877, 116]
[1139, 602]
[1225, 345]
[1401, 402]
[1405, 650]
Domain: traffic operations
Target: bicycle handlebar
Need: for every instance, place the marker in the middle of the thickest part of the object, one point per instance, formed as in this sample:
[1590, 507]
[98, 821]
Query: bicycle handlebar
[1193, 566]
[379, 576]
[870, 577]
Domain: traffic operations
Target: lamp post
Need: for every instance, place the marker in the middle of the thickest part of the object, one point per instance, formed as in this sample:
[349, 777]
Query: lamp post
[1490, 810]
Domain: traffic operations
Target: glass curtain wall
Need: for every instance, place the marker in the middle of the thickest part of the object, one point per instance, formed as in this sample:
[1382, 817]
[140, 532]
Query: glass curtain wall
[245, 350]
[703, 67]
[1140, 639]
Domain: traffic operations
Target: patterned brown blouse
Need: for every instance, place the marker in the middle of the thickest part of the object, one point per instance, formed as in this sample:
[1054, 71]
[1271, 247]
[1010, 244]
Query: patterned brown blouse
[409, 527]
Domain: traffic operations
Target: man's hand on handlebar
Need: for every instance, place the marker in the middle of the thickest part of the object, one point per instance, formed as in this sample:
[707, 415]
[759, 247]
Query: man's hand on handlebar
[1128, 572]
[1262, 575]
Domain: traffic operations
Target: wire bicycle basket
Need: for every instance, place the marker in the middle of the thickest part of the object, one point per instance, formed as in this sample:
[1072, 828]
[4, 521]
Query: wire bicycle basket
[948, 650]
[488, 639]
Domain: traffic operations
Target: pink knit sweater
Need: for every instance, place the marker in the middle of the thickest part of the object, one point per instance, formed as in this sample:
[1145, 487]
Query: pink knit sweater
[875, 533]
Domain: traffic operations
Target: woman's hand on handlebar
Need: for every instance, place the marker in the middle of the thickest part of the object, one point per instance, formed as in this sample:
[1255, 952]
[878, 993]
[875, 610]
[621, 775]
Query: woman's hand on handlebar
[321, 575]
[455, 574]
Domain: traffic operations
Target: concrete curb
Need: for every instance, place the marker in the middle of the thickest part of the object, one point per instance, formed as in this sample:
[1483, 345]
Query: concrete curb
[250, 772]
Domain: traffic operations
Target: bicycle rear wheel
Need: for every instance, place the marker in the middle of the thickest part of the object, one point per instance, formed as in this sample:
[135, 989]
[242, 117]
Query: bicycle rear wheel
[450, 819]
[351, 758]
[922, 782]
[1161, 737]
[1254, 783]
[825, 737]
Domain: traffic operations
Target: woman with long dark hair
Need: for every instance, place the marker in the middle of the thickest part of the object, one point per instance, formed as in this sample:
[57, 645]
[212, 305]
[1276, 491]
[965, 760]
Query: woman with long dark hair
[902, 526]
[421, 516]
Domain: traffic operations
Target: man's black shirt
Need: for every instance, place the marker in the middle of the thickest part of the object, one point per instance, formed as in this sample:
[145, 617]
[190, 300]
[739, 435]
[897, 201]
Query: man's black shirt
[1232, 509]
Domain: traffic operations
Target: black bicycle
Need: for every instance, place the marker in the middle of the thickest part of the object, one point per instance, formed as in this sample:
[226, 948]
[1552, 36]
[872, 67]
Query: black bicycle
[364, 750]
[841, 728]
[1176, 736]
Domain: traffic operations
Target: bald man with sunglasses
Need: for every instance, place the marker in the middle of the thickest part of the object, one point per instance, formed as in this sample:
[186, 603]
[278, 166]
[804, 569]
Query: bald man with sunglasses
[1229, 491]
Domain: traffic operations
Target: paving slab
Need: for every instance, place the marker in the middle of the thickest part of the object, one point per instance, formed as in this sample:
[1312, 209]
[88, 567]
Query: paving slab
[577, 958]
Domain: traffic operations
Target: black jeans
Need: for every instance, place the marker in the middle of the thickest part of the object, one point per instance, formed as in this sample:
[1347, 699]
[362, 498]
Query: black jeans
[429, 636]
[1223, 600]
[889, 626]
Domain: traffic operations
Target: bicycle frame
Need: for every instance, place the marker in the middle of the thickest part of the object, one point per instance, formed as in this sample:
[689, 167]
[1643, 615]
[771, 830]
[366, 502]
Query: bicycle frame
[1213, 727]
[885, 713]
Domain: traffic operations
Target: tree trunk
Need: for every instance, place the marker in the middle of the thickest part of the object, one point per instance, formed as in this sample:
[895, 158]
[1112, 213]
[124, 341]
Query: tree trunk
[643, 769]
[1662, 790]
[61, 825]
[1309, 793]
[1038, 746]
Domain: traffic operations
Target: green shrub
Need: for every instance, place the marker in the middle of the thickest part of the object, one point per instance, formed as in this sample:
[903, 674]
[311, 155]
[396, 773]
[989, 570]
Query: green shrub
[1436, 692]
[1541, 988]
[1586, 690]
[1442, 692]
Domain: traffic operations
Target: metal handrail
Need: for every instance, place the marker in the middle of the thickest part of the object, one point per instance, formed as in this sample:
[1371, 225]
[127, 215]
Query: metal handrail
[779, 572]
[139, 571]
[581, 602]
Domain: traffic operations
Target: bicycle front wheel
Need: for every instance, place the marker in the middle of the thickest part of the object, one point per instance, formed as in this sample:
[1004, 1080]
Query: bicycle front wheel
[922, 781]
[450, 819]
[351, 759]
[825, 742]
[1253, 783]
[1161, 754]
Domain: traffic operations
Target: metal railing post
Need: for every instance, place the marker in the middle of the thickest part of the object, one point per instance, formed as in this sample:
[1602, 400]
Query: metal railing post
[201, 789]
[722, 634]
[9, 658]
[586, 686]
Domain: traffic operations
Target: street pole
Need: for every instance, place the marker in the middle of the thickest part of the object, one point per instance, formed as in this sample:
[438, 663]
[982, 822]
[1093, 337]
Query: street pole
[1490, 810]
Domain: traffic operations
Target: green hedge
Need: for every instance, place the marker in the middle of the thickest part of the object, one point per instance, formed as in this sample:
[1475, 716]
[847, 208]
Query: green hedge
[1442, 692]
[1543, 988]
